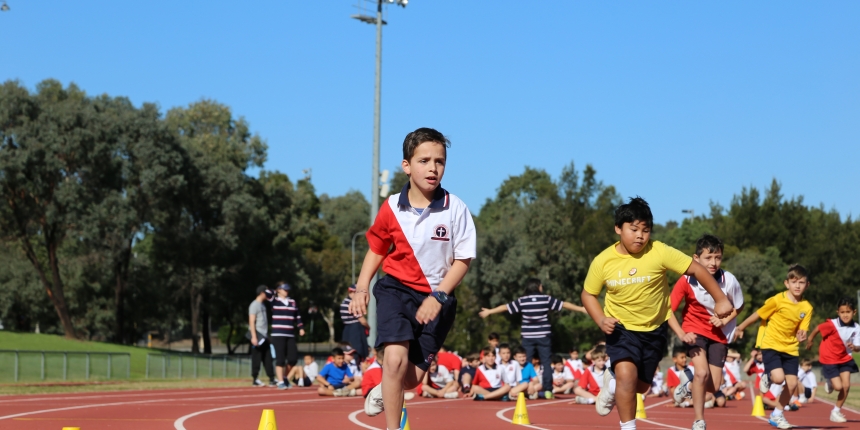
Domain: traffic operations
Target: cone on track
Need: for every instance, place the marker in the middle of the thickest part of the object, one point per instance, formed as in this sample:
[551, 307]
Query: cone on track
[267, 421]
[71, 428]
[404, 418]
[758, 407]
[640, 407]
[521, 415]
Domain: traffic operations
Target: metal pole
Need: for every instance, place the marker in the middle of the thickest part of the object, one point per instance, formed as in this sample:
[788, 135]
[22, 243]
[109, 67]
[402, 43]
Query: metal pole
[163, 367]
[374, 189]
[225, 366]
[180, 367]
[210, 366]
[128, 369]
[65, 364]
[195, 366]
[43, 365]
[147, 366]
[110, 356]
[87, 373]
[353, 248]
[16, 366]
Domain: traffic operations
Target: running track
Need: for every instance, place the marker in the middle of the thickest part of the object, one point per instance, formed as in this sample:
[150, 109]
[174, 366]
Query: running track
[240, 408]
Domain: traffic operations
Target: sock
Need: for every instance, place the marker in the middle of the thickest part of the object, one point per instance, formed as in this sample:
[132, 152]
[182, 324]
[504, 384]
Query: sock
[793, 399]
[776, 413]
[629, 425]
[776, 390]
[590, 401]
[612, 386]
[836, 409]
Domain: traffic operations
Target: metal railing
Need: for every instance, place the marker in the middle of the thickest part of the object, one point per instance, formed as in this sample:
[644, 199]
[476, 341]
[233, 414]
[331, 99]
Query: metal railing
[161, 365]
[27, 365]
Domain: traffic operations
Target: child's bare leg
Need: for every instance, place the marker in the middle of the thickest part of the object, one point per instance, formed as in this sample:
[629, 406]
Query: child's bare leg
[519, 388]
[476, 389]
[790, 385]
[498, 393]
[700, 379]
[431, 391]
[626, 381]
[325, 391]
[535, 387]
[396, 376]
[466, 380]
[579, 391]
[567, 386]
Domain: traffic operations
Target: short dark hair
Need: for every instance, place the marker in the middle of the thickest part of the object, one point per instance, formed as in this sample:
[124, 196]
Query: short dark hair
[796, 271]
[423, 134]
[337, 352]
[556, 359]
[519, 350]
[678, 351]
[493, 336]
[504, 346]
[261, 289]
[846, 301]
[532, 286]
[636, 209]
[488, 350]
[573, 349]
[473, 356]
[710, 243]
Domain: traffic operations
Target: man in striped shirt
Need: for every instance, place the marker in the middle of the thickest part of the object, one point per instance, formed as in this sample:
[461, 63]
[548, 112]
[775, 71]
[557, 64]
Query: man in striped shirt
[534, 306]
[353, 327]
[285, 320]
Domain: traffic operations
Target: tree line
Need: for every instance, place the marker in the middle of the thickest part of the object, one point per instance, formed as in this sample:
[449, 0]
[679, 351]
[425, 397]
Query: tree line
[119, 220]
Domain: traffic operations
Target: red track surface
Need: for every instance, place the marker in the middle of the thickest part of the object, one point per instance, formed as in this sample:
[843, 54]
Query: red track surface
[240, 408]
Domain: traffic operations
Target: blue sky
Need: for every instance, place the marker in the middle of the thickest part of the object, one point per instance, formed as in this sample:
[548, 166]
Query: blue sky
[682, 103]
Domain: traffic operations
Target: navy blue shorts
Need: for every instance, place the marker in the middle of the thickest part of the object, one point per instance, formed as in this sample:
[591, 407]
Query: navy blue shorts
[831, 371]
[645, 349]
[779, 360]
[396, 306]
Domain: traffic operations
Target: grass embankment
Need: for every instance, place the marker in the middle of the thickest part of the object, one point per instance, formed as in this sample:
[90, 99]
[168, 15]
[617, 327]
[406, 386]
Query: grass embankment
[30, 383]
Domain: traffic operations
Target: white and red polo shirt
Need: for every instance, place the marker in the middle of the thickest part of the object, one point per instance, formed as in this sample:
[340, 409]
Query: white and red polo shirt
[512, 373]
[837, 340]
[700, 305]
[488, 378]
[756, 369]
[592, 380]
[576, 367]
[673, 375]
[420, 245]
[731, 373]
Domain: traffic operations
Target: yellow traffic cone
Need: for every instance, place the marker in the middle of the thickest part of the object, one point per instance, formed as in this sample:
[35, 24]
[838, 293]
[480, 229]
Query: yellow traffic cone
[521, 415]
[758, 407]
[267, 421]
[71, 428]
[404, 418]
[640, 407]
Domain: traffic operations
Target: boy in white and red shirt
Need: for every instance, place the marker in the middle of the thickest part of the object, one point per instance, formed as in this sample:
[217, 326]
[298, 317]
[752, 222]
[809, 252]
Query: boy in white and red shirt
[562, 378]
[488, 384]
[511, 370]
[673, 373]
[574, 363]
[706, 335]
[733, 386]
[373, 373]
[438, 382]
[591, 380]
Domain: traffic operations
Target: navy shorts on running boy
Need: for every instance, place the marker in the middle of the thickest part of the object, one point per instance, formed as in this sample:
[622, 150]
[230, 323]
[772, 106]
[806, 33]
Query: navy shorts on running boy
[396, 306]
[773, 359]
[644, 348]
[831, 371]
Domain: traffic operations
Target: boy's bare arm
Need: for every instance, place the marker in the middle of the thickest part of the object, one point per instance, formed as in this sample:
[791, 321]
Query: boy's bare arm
[721, 322]
[592, 306]
[252, 323]
[751, 319]
[322, 381]
[722, 306]
[496, 310]
[573, 308]
[430, 307]
[811, 338]
[358, 306]
[688, 338]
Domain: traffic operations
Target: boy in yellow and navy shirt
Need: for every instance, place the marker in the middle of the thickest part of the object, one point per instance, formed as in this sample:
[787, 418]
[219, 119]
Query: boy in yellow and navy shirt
[788, 316]
[637, 306]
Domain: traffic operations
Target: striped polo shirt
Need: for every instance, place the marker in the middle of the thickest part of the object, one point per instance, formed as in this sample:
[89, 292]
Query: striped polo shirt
[345, 315]
[535, 310]
[285, 315]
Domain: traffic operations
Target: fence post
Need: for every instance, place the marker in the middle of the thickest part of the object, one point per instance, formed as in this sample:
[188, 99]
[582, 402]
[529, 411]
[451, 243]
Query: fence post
[147, 365]
[128, 369]
[43, 365]
[163, 367]
[225, 367]
[238, 365]
[180, 366]
[108, 364]
[88, 366]
[195, 366]
[16, 366]
[210, 366]
[65, 364]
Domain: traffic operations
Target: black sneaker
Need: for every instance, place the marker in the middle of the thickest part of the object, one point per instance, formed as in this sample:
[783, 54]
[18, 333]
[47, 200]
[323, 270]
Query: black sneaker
[272, 383]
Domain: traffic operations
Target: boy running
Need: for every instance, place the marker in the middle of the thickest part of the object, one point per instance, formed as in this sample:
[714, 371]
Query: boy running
[788, 316]
[637, 306]
[424, 237]
[707, 337]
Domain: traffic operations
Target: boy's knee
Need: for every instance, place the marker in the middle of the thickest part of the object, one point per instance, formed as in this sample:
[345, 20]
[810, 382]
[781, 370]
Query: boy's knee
[322, 391]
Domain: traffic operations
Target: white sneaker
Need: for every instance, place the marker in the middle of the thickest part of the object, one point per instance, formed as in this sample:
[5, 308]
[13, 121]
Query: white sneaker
[764, 384]
[340, 392]
[709, 404]
[605, 401]
[452, 395]
[426, 394]
[681, 392]
[581, 400]
[779, 422]
[351, 393]
[408, 395]
[699, 425]
[373, 405]
[567, 391]
[533, 396]
[837, 417]
[828, 387]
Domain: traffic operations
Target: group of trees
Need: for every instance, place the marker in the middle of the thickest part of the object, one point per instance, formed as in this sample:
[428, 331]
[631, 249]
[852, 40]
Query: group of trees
[117, 221]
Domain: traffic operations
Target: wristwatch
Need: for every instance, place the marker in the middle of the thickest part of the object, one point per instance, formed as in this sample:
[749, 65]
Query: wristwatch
[440, 296]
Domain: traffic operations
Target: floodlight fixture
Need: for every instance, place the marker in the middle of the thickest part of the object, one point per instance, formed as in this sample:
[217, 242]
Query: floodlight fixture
[689, 211]
[4, 7]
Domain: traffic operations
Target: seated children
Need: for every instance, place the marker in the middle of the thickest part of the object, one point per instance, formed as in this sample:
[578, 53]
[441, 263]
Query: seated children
[529, 382]
[303, 376]
[488, 384]
[658, 389]
[467, 372]
[511, 370]
[438, 382]
[336, 379]
[591, 380]
[673, 373]
[733, 386]
[562, 380]
[493, 341]
[806, 383]
[574, 363]
[452, 362]
[373, 373]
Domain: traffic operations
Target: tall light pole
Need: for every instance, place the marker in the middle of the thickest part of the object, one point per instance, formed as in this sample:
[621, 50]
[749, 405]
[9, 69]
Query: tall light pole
[377, 106]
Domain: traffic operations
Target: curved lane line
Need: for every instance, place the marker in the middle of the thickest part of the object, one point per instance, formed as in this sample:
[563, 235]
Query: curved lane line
[179, 424]
[501, 414]
[353, 416]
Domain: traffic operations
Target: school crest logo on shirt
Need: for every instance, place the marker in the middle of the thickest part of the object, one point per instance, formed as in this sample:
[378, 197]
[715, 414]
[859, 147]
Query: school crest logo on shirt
[440, 232]
[632, 271]
[803, 314]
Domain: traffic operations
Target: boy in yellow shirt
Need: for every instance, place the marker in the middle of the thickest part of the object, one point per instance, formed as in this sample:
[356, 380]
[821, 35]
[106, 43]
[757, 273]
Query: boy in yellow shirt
[788, 316]
[637, 307]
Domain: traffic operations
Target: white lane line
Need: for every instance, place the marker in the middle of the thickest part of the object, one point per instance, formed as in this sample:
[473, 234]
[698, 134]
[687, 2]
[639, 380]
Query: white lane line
[133, 402]
[353, 416]
[179, 424]
[501, 414]
[131, 393]
[834, 404]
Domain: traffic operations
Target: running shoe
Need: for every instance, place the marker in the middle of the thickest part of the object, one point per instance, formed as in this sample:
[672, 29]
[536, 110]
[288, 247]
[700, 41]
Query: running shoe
[828, 387]
[681, 392]
[478, 397]
[283, 386]
[408, 395]
[764, 384]
[258, 383]
[709, 404]
[548, 395]
[837, 417]
[605, 401]
[272, 383]
[792, 407]
[506, 398]
[373, 403]
[452, 395]
[533, 396]
[582, 400]
[699, 425]
[779, 422]
[426, 394]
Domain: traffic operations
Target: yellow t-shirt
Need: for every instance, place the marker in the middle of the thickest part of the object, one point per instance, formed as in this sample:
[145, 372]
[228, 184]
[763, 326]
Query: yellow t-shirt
[784, 319]
[637, 291]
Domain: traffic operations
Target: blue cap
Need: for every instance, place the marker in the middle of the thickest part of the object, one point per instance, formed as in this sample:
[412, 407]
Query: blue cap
[284, 286]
